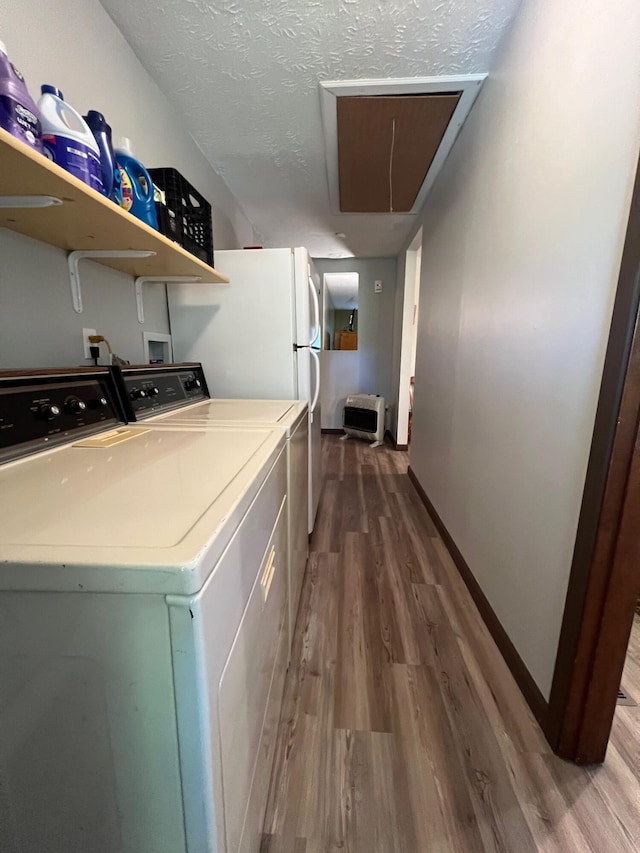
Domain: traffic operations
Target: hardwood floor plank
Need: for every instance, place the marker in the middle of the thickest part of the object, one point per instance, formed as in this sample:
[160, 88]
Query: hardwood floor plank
[353, 516]
[395, 599]
[500, 817]
[600, 828]
[380, 815]
[502, 699]
[332, 460]
[402, 729]
[412, 555]
[376, 501]
[327, 533]
[361, 698]
[443, 812]
[617, 786]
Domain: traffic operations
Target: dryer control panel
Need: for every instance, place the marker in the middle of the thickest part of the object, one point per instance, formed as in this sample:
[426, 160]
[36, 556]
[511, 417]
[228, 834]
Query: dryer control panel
[152, 390]
[40, 409]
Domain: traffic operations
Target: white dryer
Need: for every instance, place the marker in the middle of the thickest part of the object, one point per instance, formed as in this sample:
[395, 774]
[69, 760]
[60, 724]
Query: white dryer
[177, 396]
[143, 638]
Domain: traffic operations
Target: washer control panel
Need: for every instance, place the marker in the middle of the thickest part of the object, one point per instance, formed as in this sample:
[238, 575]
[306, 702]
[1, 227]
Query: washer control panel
[38, 410]
[147, 391]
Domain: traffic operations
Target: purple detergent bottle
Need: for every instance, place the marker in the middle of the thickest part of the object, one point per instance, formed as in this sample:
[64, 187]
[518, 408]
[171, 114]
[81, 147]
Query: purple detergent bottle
[19, 114]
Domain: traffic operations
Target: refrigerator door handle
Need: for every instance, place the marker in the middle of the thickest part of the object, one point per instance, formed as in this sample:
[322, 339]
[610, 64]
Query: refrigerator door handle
[315, 328]
[316, 394]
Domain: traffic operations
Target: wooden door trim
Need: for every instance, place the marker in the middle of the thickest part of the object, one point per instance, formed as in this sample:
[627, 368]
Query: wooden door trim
[602, 589]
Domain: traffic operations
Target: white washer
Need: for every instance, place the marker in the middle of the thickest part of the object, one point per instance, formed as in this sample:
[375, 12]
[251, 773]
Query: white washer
[143, 640]
[178, 386]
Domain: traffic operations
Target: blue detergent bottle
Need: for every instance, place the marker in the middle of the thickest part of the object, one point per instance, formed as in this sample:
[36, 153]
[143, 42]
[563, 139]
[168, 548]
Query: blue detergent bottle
[137, 186]
[102, 135]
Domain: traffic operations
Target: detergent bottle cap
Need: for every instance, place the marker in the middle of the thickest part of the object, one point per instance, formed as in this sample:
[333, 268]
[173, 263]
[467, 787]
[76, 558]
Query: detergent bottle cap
[124, 144]
[46, 89]
[94, 116]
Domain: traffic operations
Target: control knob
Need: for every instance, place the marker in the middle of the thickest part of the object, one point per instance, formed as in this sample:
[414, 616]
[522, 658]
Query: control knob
[98, 402]
[192, 383]
[75, 406]
[137, 394]
[48, 411]
[153, 392]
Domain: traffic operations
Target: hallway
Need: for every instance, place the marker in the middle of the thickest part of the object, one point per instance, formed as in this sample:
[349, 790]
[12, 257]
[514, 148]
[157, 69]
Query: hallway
[402, 730]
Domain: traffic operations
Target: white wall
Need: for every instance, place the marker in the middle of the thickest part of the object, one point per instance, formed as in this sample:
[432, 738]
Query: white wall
[75, 45]
[522, 242]
[340, 377]
[369, 368]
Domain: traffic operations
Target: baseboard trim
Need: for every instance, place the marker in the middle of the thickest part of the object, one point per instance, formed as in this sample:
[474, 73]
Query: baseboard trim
[332, 431]
[388, 434]
[521, 674]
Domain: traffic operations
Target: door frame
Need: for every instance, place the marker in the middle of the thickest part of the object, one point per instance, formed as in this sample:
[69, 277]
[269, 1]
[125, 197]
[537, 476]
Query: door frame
[605, 582]
[408, 337]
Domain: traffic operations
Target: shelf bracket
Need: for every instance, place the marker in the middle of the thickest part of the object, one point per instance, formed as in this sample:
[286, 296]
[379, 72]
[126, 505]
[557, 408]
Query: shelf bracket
[159, 279]
[15, 202]
[74, 259]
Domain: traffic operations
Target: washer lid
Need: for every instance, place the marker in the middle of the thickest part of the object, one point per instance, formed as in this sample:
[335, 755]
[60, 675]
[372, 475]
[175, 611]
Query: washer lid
[251, 412]
[137, 498]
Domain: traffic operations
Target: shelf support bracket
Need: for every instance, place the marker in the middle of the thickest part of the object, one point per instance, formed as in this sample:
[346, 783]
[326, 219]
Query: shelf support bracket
[159, 279]
[74, 259]
[16, 202]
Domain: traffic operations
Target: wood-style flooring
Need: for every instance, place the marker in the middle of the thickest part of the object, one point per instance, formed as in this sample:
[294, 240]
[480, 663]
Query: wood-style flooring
[402, 730]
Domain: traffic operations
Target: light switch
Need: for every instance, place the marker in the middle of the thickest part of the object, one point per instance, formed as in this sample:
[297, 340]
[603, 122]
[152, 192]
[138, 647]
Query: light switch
[377, 286]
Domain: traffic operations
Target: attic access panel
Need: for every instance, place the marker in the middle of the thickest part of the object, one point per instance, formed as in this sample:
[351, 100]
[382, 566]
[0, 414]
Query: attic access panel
[386, 145]
[464, 87]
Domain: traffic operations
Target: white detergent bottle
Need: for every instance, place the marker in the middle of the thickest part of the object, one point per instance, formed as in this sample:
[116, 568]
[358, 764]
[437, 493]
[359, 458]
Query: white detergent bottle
[67, 138]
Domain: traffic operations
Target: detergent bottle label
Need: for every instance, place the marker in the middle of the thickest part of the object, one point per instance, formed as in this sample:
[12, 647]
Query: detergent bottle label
[76, 158]
[19, 120]
[126, 189]
[19, 114]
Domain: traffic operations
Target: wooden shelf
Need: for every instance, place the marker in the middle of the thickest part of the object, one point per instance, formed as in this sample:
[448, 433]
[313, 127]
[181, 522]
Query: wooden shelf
[86, 220]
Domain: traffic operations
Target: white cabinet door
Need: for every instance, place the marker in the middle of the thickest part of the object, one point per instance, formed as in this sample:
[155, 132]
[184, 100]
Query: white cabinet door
[244, 692]
[204, 629]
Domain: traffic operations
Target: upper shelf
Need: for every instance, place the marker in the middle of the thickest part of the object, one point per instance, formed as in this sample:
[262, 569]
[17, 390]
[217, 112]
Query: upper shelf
[86, 220]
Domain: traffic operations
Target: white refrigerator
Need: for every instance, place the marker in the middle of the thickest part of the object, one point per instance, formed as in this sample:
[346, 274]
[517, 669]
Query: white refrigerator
[259, 337]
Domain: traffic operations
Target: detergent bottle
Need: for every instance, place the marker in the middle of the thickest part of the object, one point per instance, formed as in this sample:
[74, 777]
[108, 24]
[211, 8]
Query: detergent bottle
[137, 186]
[102, 135]
[19, 114]
[67, 139]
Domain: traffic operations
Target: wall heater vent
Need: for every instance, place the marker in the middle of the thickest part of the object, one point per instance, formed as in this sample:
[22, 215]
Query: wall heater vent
[363, 417]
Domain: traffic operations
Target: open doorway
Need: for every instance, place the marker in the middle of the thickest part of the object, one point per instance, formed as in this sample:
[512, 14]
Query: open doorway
[409, 339]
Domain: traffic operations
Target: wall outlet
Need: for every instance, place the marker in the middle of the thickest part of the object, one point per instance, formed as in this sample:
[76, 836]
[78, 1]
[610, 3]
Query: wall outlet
[377, 287]
[85, 341]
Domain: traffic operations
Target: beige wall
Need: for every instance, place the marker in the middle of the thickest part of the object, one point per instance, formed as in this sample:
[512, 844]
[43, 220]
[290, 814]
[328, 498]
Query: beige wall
[75, 45]
[522, 242]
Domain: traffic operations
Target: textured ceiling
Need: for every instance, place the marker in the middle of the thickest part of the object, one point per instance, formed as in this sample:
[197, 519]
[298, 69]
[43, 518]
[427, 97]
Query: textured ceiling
[245, 74]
